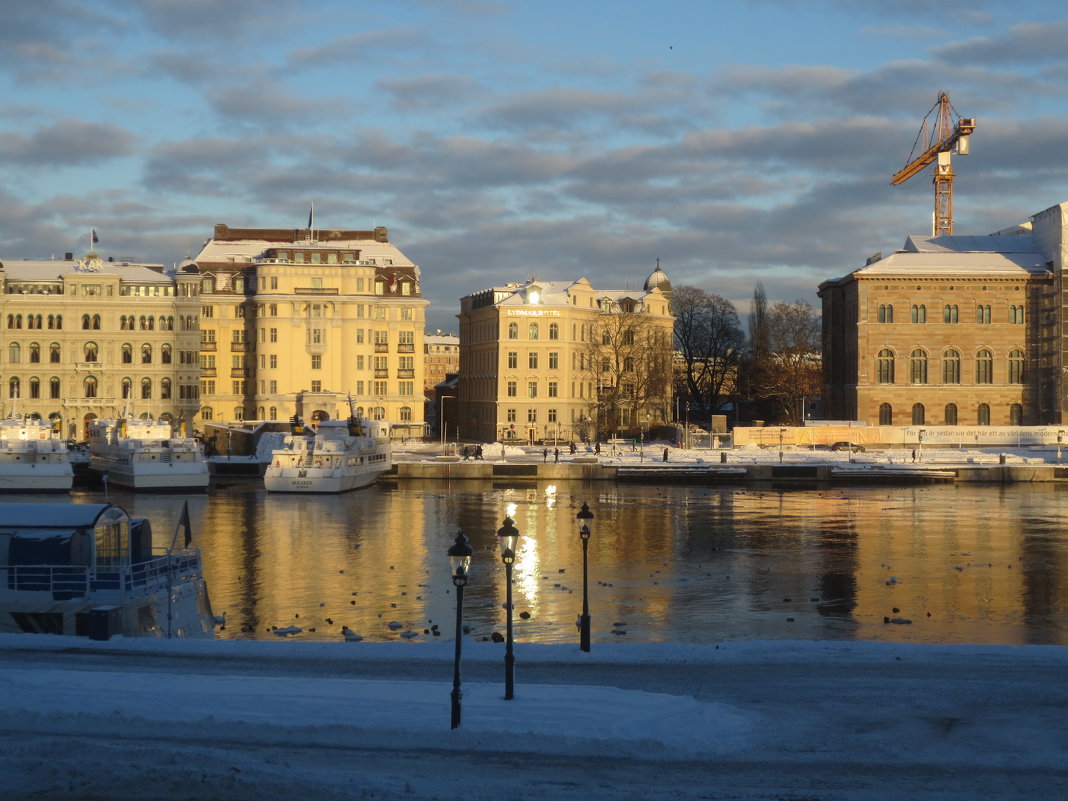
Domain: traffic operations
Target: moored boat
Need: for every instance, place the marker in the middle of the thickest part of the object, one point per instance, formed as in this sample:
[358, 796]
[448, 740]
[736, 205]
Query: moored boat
[330, 456]
[32, 457]
[144, 454]
[91, 570]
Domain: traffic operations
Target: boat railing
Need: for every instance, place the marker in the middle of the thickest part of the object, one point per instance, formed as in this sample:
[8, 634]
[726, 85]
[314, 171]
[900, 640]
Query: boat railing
[106, 582]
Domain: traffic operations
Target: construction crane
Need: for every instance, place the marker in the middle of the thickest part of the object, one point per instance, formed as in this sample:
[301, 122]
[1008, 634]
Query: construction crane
[947, 133]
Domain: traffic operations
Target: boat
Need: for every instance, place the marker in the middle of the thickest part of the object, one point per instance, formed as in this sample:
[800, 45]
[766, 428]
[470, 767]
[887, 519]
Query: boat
[143, 454]
[90, 570]
[329, 456]
[33, 458]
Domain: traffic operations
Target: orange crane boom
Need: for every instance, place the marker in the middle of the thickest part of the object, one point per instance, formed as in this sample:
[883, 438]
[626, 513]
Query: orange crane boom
[937, 141]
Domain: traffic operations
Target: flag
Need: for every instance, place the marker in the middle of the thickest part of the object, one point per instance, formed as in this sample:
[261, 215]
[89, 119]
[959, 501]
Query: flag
[94, 237]
[183, 522]
[311, 217]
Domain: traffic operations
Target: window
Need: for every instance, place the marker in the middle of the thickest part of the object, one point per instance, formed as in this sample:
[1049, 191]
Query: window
[983, 415]
[53, 388]
[510, 415]
[406, 388]
[85, 322]
[126, 388]
[14, 388]
[406, 414]
[146, 354]
[317, 386]
[146, 388]
[982, 314]
[316, 362]
[532, 361]
[1016, 366]
[127, 354]
[35, 388]
[886, 415]
[917, 414]
[554, 331]
[273, 335]
[919, 314]
[628, 364]
[532, 389]
[552, 415]
[984, 368]
[165, 354]
[35, 353]
[90, 354]
[90, 387]
[951, 367]
[553, 389]
[951, 414]
[53, 353]
[1016, 415]
[512, 392]
[513, 330]
[1016, 314]
[949, 314]
[885, 367]
[532, 415]
[917, 366]
[14, 353]
[272, 360]
[165, 389]
[513, 360]
[532, 333]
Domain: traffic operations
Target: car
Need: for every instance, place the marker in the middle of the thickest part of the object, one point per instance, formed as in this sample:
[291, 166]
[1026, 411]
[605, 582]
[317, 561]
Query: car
[852, 447]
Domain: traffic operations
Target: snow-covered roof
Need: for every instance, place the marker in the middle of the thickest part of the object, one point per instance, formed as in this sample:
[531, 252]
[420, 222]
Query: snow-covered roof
[54, 269]
[957, 255]
[384, 254]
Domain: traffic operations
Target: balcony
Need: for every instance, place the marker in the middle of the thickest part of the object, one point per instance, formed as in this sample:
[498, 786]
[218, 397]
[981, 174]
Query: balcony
[88, 365]
[239, 347]
[315, 290]
[239, 372]
[207, 345]
[207, 372]
[381, 373]
[405, 348]
[381, 347]
[410, 373]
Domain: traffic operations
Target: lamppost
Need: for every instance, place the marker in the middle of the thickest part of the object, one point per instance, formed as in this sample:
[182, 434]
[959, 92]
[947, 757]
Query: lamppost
[460, 563]
[508, 536]
[584, 517]
[1060, 441]
[782, 434]
[441, 420]
[922, 433]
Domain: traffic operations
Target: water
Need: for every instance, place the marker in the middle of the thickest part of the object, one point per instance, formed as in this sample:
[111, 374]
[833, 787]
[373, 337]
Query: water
[964, 564]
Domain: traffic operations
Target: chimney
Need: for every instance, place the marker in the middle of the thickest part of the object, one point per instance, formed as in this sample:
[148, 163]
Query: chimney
[68, 257]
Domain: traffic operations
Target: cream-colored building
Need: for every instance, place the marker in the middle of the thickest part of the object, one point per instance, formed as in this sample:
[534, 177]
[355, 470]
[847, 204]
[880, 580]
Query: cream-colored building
[93, 338]
[297, 321]
[441, 356]
[562, 360]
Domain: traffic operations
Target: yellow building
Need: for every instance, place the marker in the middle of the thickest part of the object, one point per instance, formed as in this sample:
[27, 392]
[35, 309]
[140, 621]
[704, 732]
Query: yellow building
[561, 360]
[297, 321]
[89, 338]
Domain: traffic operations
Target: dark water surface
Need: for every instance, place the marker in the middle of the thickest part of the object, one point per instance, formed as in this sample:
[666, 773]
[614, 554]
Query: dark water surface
[964, 564]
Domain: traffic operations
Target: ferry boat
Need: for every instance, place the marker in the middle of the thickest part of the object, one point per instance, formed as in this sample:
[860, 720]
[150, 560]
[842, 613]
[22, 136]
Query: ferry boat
[33, 458]
[91, 570]
[142, 454]
[330, 456]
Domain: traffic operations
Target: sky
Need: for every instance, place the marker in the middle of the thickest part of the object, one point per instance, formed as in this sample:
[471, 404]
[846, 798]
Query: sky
[797, 721]
[735, 141]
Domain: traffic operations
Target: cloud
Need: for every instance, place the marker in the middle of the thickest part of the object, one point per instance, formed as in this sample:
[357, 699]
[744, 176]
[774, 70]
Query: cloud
[430, 92]
[1025, 43]
[371, 45]
[68, 142]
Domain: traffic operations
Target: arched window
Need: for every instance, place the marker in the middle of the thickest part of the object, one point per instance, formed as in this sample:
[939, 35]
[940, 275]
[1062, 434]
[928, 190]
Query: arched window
[151, 322]
[165, 354]
[165, 389]
[51, 321]
[59, 322]
[984, 367]
[14, 353]
[35, 387]
[982, 314]
[951, 414]
[917, 414]
[90, 356]
[983, 415]
[14, 388]
[406, 414]
[127, 389]
[146, 388]
[513, 330]
[53, 353]
[886, 415]
[951, 367]
[1016, 415]
[949, 314]
[35, 353]
[146, 354]
[919, 314]
[96, 322]
[30, 321]
[11, 321]
[533, 332]
[886, 313]
[207, 413]
[885, 366]
[86, 322]
[917, 367]
[53, 387]
[127, 353]
[1016, 366]
[554, 331]
[89, 385]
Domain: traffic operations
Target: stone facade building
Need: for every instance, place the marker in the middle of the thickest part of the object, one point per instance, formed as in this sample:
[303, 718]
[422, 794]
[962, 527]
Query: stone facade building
[952, 330]
[297, 321]
[561, 360]
[89, 338]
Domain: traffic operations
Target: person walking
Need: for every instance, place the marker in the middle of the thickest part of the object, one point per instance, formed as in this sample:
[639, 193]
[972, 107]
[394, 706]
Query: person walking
[556, 455]
[545, 454]
[665, 454]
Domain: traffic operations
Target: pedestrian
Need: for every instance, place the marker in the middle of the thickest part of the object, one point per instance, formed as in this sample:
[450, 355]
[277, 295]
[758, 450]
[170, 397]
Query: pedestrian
[597, 447]
[665, 454]
[914, 454]
[545, 454]
[556, 455]
[572, 448]
[478, 452]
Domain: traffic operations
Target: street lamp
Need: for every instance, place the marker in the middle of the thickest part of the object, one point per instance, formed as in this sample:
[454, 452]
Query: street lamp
[441, 420]
[1060, 441]
[508, 536]
[782, 434]
[922, 433]
[584, 517]
[460, 563]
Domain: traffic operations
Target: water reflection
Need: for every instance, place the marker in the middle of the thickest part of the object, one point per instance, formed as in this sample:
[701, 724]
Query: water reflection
[963, 564]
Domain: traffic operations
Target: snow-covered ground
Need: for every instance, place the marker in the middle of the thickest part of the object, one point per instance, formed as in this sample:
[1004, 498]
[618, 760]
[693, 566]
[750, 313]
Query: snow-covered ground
[792, 721]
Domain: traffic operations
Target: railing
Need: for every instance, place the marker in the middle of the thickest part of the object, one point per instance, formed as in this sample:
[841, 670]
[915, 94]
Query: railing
[105, 582]
[381, 347]
[405, 348]
[405, 373]
[211, 346]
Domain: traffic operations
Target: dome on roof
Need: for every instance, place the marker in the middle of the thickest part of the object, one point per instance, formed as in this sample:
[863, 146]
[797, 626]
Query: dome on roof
[658, 280]
[188, 266]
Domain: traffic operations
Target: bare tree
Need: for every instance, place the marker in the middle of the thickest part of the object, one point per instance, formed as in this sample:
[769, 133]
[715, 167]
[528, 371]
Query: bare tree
[793, 366]
[709, 338]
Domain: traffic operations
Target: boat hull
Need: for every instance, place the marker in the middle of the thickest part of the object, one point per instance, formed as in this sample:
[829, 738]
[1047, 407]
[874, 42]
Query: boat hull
[173, 477]
[37, 478]
[313, 480]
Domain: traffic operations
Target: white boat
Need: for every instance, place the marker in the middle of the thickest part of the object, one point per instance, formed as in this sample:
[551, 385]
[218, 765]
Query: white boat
[90, 570]
[331, 456]
[143, 454]
[33, 458]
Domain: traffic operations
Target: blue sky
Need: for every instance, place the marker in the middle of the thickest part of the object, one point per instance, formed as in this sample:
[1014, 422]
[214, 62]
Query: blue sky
[500, 140]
